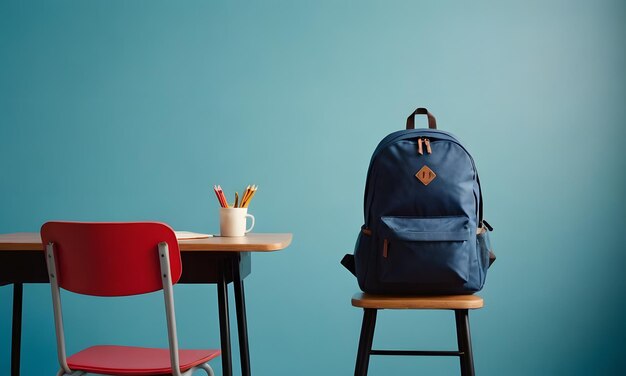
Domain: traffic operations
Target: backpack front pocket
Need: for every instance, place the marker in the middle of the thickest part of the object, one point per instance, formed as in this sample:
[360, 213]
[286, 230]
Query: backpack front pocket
[431, 250]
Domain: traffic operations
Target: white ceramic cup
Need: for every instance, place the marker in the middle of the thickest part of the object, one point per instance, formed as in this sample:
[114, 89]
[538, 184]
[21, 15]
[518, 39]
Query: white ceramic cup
[233, 221]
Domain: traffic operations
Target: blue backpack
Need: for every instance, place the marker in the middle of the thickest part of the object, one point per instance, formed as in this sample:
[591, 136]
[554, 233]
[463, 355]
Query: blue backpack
[424, 231]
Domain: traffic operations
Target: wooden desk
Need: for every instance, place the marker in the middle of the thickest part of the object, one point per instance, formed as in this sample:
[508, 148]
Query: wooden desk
[211, 260]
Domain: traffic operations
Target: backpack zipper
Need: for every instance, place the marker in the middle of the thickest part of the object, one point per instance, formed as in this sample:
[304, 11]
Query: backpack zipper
[425, 142]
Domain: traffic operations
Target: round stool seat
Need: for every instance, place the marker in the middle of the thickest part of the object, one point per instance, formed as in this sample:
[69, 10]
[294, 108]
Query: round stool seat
[364, 300]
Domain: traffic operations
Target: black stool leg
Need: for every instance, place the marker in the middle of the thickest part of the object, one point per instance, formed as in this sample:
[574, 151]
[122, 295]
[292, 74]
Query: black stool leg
[464, 340]
[365, 342]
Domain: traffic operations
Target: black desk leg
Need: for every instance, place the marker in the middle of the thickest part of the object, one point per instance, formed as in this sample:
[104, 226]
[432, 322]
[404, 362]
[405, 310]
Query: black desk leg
[222, 302]
[16, 341]
[242, 324]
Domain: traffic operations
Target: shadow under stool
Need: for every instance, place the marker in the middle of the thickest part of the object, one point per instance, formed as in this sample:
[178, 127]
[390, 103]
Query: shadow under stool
[460, 304]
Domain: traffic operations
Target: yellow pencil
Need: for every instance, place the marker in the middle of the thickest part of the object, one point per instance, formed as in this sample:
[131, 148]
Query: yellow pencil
[252, 193]
[245, 196]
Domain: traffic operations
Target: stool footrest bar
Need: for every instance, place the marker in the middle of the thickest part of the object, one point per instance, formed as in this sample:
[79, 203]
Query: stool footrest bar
[416, 353]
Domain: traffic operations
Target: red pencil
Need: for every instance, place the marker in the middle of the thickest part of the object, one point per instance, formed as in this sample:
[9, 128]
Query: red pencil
[223, 197]
[219, 197]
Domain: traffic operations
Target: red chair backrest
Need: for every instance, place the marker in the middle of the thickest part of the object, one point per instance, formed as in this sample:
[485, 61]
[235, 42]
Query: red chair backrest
[111, 258]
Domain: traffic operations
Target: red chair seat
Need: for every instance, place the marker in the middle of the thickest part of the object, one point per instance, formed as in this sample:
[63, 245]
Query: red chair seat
[125, 360]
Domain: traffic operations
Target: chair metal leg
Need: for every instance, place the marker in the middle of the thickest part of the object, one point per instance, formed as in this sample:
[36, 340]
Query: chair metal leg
[464, 340]
[365, 342]
[222, 300]
[242, 325]
[16, 342]
[208, 369]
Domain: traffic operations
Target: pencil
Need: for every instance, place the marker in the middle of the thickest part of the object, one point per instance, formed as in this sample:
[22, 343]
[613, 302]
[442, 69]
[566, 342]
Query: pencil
[251, 195]
[217, 194]
[222, 198]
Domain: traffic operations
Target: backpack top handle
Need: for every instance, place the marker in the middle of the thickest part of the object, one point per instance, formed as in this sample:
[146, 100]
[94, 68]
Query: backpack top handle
[410, 121]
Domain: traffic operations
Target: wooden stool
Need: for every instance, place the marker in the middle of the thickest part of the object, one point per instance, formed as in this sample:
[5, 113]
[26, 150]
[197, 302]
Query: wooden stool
[459, 303]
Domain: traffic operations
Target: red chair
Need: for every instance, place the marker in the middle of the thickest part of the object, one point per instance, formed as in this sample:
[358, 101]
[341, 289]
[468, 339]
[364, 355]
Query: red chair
[118, 259]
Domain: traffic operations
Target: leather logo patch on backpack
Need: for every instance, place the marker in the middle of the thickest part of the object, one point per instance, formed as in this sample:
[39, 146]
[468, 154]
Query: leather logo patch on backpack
[425, 175]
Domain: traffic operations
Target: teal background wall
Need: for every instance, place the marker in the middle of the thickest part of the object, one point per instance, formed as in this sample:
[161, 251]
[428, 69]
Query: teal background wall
[116, 110]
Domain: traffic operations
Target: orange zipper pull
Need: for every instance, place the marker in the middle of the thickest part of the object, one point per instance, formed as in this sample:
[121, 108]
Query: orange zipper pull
[419, 146]
[385, 248]
[427, 142]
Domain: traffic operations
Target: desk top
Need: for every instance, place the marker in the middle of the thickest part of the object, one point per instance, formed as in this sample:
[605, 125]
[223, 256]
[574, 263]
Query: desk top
[252, 242]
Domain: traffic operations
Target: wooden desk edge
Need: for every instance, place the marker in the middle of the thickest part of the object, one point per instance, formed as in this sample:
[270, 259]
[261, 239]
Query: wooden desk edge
[200, 244]
[24, 241]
